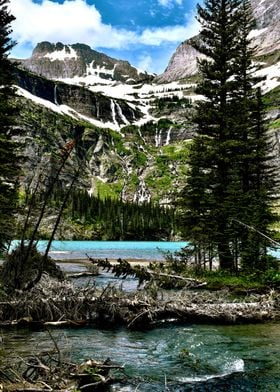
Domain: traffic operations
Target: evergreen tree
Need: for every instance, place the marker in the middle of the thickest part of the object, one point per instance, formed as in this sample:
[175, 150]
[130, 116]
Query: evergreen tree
[228, 178]
[8, 147]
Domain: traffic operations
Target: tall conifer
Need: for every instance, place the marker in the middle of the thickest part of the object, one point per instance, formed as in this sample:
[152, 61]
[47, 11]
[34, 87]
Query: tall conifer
[230, 147]
[8, 147]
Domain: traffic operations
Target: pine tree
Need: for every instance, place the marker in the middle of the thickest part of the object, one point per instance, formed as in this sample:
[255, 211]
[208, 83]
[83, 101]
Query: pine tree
[228, 176]
[8, 147]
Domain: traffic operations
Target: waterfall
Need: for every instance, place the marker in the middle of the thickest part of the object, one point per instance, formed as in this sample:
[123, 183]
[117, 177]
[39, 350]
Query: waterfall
[124, 119]
[158, 137]
[133, 114]
[55, 95]
[97, 110]
[168, 136]
[113, 110]
[142, 194]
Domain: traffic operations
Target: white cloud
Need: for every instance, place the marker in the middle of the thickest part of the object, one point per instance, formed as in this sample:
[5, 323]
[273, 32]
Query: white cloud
[169, 3]
[169, 34]
[70, 22]
[76, 21]
[145, 63]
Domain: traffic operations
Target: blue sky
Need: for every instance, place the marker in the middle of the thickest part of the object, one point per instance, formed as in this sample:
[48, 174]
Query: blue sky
[146, 33]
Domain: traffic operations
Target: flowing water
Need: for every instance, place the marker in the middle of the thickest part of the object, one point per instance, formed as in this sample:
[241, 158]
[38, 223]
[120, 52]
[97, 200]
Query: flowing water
[171, 358]
[177, 358]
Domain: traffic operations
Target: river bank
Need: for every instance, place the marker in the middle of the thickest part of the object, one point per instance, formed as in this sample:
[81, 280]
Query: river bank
[154, 339]
[61, 303]
[176, 340]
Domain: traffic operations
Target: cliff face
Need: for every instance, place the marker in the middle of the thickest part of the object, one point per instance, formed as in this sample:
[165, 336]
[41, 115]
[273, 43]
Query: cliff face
[266, 38]
[183, 63]
[93, 105]
[266, 12]
[59, 61]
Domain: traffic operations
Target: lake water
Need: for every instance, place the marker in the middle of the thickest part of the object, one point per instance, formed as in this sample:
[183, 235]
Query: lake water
[141, 250]
[178, 358]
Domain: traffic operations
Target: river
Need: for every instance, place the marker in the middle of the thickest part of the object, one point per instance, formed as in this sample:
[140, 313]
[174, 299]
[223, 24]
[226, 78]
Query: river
[179, 358]
[183, 358]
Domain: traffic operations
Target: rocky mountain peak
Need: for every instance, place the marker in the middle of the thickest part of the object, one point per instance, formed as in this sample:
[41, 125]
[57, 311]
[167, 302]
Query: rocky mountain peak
[58, 61]
[266, 38]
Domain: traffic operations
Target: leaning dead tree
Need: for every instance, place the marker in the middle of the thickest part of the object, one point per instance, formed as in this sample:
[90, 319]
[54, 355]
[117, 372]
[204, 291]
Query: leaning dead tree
[123, 268]
[24, 265]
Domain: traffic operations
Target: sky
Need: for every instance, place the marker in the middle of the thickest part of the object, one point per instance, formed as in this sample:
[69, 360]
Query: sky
[146, 32]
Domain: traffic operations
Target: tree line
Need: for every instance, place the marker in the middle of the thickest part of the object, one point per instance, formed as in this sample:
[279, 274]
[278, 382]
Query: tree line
[114, 219]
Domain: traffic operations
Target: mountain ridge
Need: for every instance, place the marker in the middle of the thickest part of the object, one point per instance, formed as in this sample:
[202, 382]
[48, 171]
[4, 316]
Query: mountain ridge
[266, 38]
[61, 61]
[146, 158]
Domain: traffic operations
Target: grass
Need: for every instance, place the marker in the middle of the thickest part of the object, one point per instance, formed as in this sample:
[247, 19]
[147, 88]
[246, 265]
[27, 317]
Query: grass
[217, 280]
[270, 58]
[106, 190]
[275, 124]
[272, 99]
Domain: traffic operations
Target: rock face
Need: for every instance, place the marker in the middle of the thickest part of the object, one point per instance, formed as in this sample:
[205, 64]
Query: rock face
[84, 101]
[266, 12]
[59, 61]
[266, 37]
[267, 15]
[183, 63]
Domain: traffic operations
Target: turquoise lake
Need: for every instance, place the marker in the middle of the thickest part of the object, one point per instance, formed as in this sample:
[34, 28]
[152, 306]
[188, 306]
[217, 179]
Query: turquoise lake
[141, 250]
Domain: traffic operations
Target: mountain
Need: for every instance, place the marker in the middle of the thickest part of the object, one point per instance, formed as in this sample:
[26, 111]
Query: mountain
[266, 39]
[77, 101]
[59, 61]
[112, 105]
[136, 131]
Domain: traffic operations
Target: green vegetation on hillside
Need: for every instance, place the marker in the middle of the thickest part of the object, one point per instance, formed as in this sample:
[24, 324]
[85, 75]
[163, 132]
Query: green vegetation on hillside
[112, 219]
[272, 99]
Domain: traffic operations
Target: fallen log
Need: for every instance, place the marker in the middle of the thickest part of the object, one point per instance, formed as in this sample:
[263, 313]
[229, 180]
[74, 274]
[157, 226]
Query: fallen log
[61, 304]
[123, 269]
[66, 323]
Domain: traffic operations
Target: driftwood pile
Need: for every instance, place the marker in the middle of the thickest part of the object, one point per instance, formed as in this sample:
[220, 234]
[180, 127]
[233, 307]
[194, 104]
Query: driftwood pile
[48, 371]
[55, 303]
[142, 311]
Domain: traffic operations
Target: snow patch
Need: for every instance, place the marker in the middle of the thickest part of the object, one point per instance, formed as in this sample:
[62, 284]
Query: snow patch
[271, 75]
[62, 55]
[255, 33]
[96, 71]
[65, 110]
